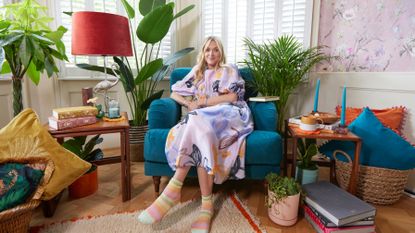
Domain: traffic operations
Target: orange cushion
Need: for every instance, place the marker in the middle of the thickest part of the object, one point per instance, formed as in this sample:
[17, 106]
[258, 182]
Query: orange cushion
[392, 118]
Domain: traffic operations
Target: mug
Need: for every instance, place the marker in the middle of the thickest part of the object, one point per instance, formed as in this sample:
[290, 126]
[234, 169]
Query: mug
[309, 123]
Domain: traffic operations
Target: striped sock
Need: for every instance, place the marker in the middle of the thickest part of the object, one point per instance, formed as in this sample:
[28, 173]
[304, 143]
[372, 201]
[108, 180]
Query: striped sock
[167, 199]
[202, 223]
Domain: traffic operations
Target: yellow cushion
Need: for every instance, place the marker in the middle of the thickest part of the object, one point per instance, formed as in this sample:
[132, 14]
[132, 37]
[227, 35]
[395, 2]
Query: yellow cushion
[24, 136]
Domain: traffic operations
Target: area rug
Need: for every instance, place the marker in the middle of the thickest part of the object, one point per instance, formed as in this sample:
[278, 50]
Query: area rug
[231, 215]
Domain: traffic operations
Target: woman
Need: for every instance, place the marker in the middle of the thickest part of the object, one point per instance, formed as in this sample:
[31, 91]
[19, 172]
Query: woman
[210, 137]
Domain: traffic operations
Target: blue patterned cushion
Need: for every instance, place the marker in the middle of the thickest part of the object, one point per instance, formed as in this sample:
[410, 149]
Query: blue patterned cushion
[381, 147]
[17, 183]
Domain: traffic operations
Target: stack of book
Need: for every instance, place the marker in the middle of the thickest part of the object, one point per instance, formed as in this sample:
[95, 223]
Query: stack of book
[71, 117]
[329, 208]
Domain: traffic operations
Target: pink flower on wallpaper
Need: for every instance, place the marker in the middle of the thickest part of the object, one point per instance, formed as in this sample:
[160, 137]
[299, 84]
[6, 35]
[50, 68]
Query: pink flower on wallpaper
[371, 35]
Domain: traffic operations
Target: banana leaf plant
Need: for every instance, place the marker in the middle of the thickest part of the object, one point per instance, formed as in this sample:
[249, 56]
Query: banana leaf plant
[85, 150]
[140, 82]
[307, 148]
[28, 45]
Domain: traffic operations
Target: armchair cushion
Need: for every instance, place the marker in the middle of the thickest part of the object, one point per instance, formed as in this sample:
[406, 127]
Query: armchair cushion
[265, 115]
[163, 114]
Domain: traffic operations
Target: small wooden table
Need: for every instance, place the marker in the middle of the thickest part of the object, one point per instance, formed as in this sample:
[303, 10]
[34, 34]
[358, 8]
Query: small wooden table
[102, 127]
[291, 130]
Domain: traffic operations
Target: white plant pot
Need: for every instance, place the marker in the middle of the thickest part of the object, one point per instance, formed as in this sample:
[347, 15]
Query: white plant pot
[285, 212]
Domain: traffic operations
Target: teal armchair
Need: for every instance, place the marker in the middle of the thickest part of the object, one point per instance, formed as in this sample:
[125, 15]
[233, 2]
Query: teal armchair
[263, 145]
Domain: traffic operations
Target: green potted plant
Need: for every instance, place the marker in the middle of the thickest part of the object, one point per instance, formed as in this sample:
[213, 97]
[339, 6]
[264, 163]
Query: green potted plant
[140, 79]
[88, 183]
[307, 170]
[28, 45]
[283, 199]
[279, 67]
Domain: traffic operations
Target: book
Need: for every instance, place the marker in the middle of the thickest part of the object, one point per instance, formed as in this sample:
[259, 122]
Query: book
[319, 226]
[327, 223]
[71, 122]
[337, 205]
[72, 112]
[264, 98]
[409, 193]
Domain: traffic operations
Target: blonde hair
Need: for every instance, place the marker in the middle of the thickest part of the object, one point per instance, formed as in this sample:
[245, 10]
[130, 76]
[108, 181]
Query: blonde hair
[201, 63]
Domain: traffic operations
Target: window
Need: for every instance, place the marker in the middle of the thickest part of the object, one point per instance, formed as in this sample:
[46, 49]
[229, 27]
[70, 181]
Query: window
[110, 6]
[260, 20]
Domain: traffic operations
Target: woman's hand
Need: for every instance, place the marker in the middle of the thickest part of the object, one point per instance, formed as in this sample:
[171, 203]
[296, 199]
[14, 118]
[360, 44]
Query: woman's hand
[192, 105]
[202, 101]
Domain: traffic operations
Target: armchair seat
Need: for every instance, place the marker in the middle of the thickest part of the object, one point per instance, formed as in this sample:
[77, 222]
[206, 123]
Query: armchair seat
[263, 145]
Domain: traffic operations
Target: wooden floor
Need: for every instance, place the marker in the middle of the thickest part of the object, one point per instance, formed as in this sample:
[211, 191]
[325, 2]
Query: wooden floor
[399, 217]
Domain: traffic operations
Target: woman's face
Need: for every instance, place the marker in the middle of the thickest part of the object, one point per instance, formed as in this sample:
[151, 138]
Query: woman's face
[212, 54]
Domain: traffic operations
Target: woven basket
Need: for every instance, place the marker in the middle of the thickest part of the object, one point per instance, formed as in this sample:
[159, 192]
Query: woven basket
[17, 219]
[376, 185]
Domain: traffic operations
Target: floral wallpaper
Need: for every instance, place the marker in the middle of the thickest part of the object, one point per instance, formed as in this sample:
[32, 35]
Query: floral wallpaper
[371, 35]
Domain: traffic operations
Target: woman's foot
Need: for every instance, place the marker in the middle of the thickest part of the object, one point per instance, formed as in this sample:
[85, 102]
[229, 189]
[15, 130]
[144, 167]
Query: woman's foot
[169, 198]
[202, 223]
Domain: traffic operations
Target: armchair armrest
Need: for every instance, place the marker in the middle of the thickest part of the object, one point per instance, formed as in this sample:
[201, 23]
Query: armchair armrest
[265, 115]
[163, 113]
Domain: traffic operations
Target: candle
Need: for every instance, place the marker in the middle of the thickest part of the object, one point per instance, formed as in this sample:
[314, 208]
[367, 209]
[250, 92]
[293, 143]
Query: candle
[343, 114]
[316, 96]
[114, 112]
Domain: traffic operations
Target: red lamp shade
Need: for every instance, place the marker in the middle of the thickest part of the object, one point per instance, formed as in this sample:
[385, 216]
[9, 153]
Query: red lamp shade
[98, 33]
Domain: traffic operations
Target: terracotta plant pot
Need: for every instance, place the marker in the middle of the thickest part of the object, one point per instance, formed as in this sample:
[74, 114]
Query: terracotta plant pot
[285, 212]
[84, 185]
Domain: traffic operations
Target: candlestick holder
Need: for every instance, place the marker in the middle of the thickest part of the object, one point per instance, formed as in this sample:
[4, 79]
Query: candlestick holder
[341, 129]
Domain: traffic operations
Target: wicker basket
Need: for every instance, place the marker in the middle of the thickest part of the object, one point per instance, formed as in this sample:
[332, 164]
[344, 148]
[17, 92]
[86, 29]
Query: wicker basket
[375, 185]
[17, 219]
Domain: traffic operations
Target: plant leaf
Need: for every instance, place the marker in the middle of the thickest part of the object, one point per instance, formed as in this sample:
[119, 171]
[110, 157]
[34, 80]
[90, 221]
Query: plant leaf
[146, 104]
[4, 25]
[155, 25]
[126, 75]
[184, 11]
[145, 6]
[10, 39]
[33, 73]
[173, 58]
[70, 13]
[95, 68]
[130, 11]
[5, 68]
[148, 70]
[25, 51]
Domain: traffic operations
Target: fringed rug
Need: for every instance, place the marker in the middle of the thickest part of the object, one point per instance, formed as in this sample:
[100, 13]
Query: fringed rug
[231, 215]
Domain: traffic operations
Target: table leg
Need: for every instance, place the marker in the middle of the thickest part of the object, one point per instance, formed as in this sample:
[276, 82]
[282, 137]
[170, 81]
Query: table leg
[355, 169]
[294, 158]
[128, 159]
[284, 163]
[125, 168]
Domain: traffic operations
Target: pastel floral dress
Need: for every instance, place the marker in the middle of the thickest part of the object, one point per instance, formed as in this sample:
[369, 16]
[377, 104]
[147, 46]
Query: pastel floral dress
[212, 137]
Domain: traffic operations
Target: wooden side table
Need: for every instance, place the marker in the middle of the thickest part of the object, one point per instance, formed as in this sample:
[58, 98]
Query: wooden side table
[291, 130]
[104, 127]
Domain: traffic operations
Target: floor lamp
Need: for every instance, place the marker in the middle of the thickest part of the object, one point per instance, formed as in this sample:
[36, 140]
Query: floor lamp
[101, 34]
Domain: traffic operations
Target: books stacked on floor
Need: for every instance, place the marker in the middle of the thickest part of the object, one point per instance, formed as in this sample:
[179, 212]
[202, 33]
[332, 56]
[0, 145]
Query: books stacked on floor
[71, 117]
[329, 208]
[410, 186]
